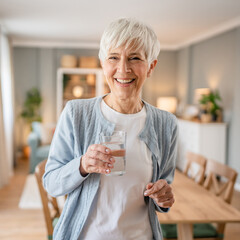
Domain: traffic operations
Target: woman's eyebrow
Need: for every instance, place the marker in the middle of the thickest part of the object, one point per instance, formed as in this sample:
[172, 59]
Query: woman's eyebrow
[135, 53]
[130, 54]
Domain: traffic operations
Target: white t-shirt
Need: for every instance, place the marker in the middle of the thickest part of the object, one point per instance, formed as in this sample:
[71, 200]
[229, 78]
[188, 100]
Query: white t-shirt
[119, 210]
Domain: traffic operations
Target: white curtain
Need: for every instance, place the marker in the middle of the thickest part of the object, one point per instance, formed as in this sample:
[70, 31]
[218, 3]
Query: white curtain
[6, 110]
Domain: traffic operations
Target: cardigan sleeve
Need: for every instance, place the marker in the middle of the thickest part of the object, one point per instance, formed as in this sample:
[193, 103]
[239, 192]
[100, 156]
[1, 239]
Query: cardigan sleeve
[62, 173]
[170, 165]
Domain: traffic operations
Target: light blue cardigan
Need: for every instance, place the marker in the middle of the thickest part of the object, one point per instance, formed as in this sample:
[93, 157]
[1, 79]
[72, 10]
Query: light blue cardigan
[78, 127]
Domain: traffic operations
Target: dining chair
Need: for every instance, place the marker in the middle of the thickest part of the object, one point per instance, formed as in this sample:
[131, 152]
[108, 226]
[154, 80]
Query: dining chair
[195, 167]
[220, 180]
[50, 206]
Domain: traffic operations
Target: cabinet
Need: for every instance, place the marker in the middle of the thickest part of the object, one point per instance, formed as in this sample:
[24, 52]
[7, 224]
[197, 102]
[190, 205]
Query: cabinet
[73, 83]
[208, 139]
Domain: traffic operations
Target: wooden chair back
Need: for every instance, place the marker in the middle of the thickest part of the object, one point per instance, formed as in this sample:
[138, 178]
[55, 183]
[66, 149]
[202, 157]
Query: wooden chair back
[50, 205]
[198, 161]
[221, 179]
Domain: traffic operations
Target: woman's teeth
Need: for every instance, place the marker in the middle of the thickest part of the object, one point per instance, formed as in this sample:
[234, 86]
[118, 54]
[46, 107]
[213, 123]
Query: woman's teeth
[124, 81]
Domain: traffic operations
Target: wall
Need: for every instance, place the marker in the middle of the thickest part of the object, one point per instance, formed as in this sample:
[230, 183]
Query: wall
[163, 80]
[234, 130]
[183, 75]
[215, 63]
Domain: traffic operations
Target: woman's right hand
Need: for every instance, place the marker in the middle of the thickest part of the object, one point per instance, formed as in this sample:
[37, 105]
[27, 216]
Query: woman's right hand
[97, 159]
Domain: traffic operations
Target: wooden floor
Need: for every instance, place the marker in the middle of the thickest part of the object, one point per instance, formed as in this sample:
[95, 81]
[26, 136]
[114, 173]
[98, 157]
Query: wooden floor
[15, 223]
[19, 224]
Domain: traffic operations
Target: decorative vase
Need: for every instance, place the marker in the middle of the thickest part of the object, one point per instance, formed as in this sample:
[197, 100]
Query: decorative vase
[26, 151]
[68, 61]
[206, 118]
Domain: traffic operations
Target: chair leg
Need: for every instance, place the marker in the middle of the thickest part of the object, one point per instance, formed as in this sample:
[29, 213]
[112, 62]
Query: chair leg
[220, 230]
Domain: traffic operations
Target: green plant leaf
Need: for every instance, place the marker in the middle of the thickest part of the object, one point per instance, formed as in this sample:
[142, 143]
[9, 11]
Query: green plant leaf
[31, 107]
[211, 100]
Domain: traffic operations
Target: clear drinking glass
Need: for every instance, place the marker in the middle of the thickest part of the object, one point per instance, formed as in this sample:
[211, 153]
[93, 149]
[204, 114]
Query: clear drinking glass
[117, 143]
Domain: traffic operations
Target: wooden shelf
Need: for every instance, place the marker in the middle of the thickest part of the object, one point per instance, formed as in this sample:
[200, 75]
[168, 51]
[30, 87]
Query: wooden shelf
[99, 88]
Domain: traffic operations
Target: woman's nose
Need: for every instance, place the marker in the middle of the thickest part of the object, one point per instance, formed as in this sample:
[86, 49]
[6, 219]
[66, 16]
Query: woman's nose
[123, 66]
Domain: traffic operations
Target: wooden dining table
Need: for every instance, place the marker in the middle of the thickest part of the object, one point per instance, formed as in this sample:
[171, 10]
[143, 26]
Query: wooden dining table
[195, 204]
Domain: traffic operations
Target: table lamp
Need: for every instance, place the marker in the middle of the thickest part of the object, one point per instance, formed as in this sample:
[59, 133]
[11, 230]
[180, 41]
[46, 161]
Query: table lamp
[167, 103]
[198, 92]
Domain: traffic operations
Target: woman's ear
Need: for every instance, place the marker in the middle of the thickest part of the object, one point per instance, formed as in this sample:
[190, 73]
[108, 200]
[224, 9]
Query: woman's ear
[102, 65]
[151, 68]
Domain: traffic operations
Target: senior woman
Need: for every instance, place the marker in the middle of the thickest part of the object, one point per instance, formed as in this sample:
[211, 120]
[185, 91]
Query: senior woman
[101, 207]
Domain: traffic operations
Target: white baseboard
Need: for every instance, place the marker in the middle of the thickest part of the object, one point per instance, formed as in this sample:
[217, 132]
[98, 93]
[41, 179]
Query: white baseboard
[237, 186]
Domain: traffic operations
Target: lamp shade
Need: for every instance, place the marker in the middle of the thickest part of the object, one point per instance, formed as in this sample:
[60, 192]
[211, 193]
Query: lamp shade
[77, 91]
[199, 92]
[167, 103]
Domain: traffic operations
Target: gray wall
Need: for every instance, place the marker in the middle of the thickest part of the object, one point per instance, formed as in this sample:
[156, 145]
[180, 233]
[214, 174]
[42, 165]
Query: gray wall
[164, 78]
[215, 63]
[26, 69]
[183, 75]
[234, 131]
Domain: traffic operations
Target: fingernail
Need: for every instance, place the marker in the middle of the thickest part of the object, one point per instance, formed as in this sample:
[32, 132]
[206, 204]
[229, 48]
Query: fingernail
[107, 171]
[145, 193]
[111, 159]
[107, 150]
[110, 165]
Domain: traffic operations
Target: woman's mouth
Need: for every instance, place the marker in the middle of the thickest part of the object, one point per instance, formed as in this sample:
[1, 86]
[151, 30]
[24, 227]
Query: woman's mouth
[124, 81]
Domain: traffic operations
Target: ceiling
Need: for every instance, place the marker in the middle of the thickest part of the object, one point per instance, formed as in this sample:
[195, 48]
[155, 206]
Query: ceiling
[81, 22]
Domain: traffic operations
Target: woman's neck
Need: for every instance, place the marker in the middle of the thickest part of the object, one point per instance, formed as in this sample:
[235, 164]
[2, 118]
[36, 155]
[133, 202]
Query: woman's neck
[125, 106]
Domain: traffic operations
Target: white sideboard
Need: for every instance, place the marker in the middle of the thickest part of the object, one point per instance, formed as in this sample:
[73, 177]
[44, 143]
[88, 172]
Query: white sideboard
[207, 139]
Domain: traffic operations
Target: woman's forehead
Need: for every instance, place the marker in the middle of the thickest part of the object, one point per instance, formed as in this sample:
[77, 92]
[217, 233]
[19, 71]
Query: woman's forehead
[127, 50]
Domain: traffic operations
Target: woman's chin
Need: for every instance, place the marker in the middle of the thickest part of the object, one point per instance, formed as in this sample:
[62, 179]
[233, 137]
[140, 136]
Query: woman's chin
[126, 94]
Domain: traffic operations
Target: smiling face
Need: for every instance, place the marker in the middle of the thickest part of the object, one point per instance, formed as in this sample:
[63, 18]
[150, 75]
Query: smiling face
[125, 71]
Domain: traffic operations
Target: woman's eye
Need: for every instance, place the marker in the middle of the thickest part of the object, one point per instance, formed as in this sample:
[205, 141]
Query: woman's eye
[112, 58]
[135, 58]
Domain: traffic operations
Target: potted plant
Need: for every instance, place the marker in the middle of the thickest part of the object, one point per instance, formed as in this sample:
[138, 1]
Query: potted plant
[210, 106]
[31, 112]
[31, 108]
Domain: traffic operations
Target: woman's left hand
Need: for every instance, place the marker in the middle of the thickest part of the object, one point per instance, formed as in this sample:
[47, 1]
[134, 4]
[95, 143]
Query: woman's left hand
[161, 193]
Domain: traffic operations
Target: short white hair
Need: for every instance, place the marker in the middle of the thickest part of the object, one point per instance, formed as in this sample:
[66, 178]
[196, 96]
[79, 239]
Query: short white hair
[130, 33]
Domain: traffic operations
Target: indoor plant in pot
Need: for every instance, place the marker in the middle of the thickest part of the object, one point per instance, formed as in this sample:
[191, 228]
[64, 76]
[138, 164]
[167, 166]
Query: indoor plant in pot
[31, 108]
[31, 112]
[210, 109]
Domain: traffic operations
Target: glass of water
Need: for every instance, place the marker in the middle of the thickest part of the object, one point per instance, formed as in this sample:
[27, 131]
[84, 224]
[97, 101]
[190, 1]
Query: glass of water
[117, 143]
